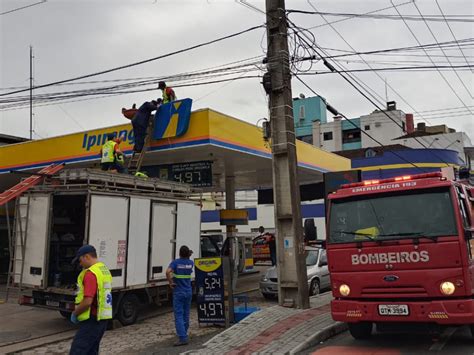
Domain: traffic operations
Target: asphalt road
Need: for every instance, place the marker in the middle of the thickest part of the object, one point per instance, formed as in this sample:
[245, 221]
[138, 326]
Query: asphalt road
[453, 341]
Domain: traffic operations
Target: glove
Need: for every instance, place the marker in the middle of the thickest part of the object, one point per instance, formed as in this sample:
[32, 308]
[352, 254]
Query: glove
[74, 319]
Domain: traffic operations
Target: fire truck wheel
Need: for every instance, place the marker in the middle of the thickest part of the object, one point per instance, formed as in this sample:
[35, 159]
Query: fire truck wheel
[472, 330]
[362, 330]
[128, 310]
[314, 289]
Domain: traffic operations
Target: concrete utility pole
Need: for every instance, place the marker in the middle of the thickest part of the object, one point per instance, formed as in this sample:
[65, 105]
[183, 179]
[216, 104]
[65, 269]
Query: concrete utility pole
[292, 279]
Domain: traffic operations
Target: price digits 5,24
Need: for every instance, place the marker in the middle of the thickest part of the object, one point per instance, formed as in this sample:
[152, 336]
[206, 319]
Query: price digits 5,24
[212, 283]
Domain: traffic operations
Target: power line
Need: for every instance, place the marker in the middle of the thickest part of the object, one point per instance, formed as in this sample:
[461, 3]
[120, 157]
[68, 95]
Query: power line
[412, 68]
[442, 50]
[450, 30]
[367, 13]
[419, 43]
[336, 112]
[380, 76]
[144, 61]
[332, 68]
[23, 7]
[435, 18]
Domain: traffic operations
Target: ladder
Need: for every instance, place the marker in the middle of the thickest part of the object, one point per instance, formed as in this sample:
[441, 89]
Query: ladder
[17, 245]
[29, 182]
[135, 162]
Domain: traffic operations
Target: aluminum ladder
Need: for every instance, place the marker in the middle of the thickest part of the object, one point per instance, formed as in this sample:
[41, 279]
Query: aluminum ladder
[29, 182]
[135, 162]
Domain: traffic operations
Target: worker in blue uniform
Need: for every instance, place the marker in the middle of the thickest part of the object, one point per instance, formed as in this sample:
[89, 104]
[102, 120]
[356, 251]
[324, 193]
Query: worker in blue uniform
[141, 121]
[179, 277]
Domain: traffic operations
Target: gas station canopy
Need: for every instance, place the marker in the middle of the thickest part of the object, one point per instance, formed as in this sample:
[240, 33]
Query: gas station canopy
[214, 146]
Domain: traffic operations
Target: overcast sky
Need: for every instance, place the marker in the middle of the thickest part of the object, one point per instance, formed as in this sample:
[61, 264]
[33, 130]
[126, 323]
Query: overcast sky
[71, 38]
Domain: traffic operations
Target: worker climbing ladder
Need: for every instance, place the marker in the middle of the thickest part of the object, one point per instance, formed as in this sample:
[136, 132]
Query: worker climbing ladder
[136, 160]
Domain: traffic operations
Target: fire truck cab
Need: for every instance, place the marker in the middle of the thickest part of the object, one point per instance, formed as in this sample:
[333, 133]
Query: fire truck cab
[401, 253]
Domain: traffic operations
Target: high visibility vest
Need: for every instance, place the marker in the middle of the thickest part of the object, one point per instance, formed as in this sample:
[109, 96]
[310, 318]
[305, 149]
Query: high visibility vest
[120, 159]
[104, 292]
[166, 98]
[108, 152]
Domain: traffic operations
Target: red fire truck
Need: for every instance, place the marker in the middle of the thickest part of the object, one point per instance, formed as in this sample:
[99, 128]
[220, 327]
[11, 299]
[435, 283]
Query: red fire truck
[401, 253]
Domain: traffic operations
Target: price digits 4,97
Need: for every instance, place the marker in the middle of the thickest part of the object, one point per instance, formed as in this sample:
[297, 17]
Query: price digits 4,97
[212, 309]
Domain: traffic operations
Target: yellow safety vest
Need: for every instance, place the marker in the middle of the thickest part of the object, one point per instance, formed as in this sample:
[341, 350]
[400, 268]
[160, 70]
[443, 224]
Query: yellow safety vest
[104, 292]
[166, 98]
[120, 159]
[108, 152]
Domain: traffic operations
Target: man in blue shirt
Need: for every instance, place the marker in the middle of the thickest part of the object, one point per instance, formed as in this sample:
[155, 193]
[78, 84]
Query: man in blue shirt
[140, 123]
[179, 277]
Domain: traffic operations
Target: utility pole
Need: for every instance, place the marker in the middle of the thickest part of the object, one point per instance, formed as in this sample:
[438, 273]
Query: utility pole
[31, 92]
[292, 279]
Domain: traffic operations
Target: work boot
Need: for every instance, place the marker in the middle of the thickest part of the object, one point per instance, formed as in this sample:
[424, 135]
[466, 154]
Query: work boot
[181, 343]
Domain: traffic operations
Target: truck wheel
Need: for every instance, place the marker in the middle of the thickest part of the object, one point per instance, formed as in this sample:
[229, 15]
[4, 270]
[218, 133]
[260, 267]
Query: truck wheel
[362, 330]
[314, 289]
[128, 310]
[65, 314]
[472, 330]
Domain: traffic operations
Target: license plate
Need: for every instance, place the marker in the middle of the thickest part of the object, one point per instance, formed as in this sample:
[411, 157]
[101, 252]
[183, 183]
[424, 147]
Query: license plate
[52, 303]
[393, 310]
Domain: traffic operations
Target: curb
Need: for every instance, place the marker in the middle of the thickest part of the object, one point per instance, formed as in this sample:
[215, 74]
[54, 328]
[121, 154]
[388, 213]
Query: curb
[322, 335]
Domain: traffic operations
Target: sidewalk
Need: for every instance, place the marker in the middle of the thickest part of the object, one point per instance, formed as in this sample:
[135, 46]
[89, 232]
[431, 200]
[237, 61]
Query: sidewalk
[276, 330]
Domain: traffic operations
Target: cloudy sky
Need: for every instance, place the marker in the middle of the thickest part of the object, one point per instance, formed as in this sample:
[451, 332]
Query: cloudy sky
[72, 38]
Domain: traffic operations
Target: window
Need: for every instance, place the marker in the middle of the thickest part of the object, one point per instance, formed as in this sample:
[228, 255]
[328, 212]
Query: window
[413, 214]
[378, 124]
[302, 112]
[404, 126]
[370, 153]
[367, 127]
[327, 136]
[351, 136]
[312, 257]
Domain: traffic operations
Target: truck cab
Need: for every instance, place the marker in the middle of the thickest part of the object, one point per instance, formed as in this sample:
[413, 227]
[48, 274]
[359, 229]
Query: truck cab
[400, 252]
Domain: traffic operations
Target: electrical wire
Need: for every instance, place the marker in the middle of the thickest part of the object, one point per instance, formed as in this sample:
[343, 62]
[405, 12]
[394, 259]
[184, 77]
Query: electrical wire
[451, 31]
[332, 68]
[23, 7]
[442, 50]
[419, 43]
[362, 58]
[144, 61]
[357, 127]
[435, 18]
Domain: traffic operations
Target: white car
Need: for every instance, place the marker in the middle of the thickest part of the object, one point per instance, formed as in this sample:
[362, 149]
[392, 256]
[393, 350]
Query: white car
[317, 270]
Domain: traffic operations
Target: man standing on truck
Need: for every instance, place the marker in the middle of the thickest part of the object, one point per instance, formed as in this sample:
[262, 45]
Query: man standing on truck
[109, 153]
[93, 302]
[179, 277]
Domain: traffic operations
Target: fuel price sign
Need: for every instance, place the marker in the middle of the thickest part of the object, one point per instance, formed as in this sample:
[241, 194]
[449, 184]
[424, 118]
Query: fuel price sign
[210, 290]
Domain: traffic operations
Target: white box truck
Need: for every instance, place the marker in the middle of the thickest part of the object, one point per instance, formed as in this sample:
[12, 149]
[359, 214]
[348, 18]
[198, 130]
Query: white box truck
[137, 227]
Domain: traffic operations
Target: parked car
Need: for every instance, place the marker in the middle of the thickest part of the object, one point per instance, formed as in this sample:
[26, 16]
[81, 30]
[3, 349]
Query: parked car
[317, 270]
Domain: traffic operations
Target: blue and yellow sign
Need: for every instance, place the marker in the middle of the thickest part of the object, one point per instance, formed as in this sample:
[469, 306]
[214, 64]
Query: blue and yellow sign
[234, 217]
[172, 119]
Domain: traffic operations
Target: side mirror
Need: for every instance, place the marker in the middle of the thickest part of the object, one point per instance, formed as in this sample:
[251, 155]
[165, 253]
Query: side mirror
[467, 234]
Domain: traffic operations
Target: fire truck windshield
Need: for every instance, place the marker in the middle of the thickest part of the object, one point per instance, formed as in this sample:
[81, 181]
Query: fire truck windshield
[406, 214]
